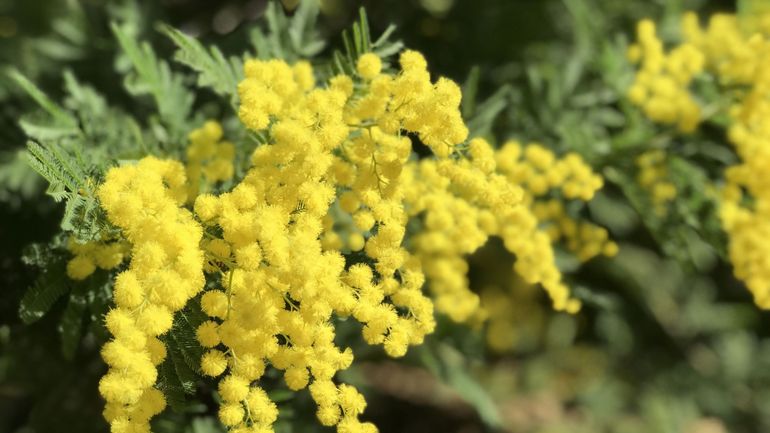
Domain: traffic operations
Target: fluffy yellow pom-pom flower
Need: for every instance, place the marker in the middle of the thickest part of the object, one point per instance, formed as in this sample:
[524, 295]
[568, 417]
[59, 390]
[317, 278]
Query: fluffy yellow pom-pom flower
[213, 363]
[369, 66]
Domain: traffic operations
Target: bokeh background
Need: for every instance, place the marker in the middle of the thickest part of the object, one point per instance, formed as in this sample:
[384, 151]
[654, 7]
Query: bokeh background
[668, 341]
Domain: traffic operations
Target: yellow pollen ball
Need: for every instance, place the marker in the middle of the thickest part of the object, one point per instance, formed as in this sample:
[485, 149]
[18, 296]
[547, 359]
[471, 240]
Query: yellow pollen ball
[213, 363]
[369, 66]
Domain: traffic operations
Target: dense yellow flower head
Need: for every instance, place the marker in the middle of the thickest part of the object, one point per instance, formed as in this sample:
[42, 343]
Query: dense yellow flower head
[209, 159]
[661, 85]
[653, 177]
[736, 52]
[317, 229]
[90, 255]
[144, 200]
[336, 178]
[369, 66]
[549, 183]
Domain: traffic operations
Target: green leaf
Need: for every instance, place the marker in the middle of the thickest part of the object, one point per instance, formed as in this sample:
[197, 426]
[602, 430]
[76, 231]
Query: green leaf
[179, 372]
[186, 375]
[58, 168]
[84, 217]
[303, 30]
[286, 38]
[51, 284]
[40, 127]
[470, 91]
[484, 115]
[384, 47]
[186, 322]
[151, 76]
[169, 383]
[106, 132]
[53, 122]
[71, 323]
[451, 368]
[214, 70]
[99, 296]
[60, 116]
[81, 298]
[67, 174]
[357, 41]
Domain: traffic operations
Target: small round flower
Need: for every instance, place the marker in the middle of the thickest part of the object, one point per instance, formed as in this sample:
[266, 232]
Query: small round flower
[109, 256]
[369, 66]
[127, 291]
[119, 322]
[356, 242]
[261, 408]
[80, 267]
[231, 414]
[610, 249]
[207, 334]
[328, 415]
[157, 350]
[213, 363]
[155, 320]
[249, 256]
[364, 220]
[233, 388]
[206, 206]
[115, 353]
[214, 303]
[249, 366]
[219, 248]
[119, 389]
[296, 377]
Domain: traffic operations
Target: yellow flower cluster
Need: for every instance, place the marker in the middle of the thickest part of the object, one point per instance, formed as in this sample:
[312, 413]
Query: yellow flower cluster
[144, 201]
[661, 85]
[461, 204]
[90, 255]
[745, 215]
[736, 50]
[549, 182]
[464, 202]
[317, 230]
[336, 178]
[740, 54]
[539, 172]
[209, 159]
[653, 177]
[332, 167]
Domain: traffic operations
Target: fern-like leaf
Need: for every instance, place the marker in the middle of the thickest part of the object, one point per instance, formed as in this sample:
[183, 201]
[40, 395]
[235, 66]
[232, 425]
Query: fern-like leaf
[358, 41]
[287, 38]
[152, 76]
[71, 323]
[83, 217]
[169, 383]
[186, 322]
[50, 285]
[59, 169]
[214, 70]
[57, 112]
[484, 114]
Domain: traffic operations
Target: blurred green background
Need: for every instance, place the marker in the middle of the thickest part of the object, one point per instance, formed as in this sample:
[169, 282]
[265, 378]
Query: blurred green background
[668, 340]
